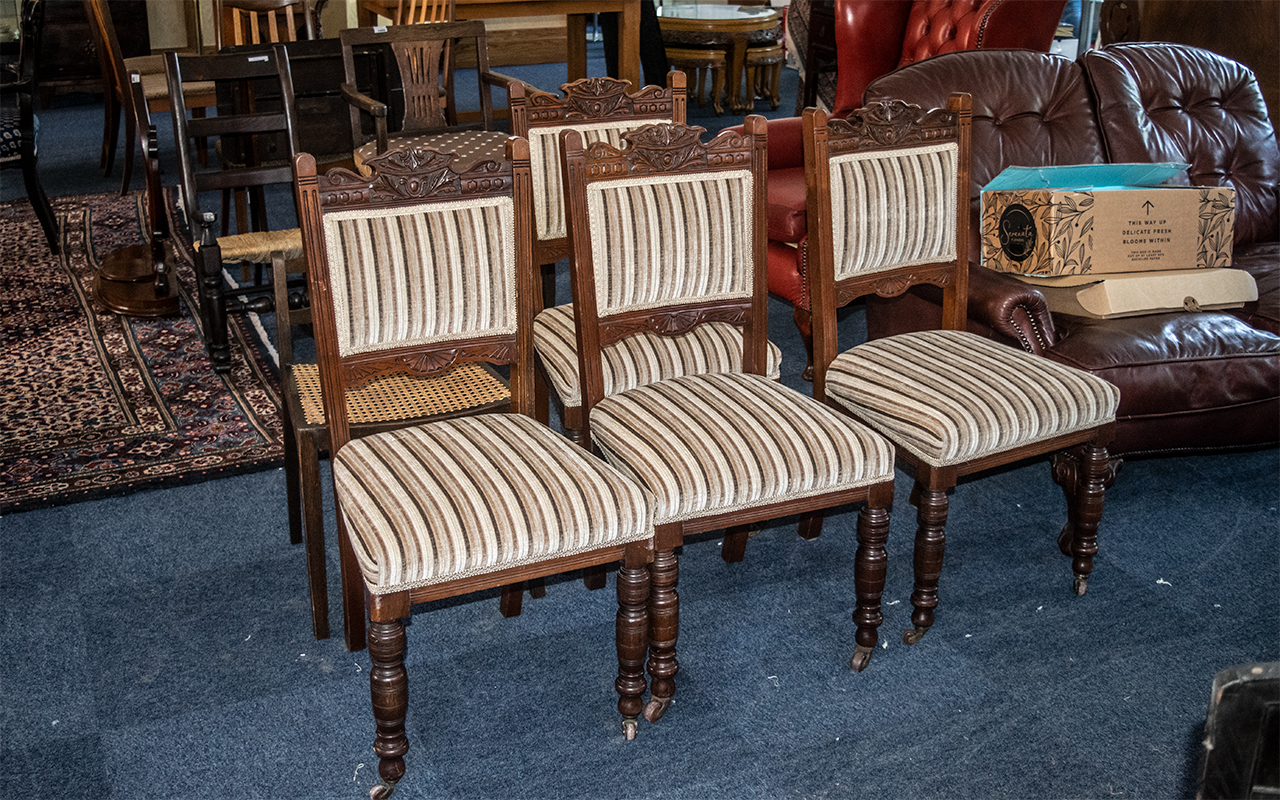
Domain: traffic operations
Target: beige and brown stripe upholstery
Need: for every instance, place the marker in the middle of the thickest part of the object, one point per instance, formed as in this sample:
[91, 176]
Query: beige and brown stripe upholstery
[470, 496]
[953, 396]
[640, 359]
[894, 209]
[421, 274]
[710, 444]
[671, 237]
[544, 161]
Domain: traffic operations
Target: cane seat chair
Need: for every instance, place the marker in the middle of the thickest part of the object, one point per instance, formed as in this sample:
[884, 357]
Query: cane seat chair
[245, 129]
[423, 54]
[18, 121]
[382, 404]
[888, 208]
[668, 235]
[137, 279]
[117, 90]
[451, 507]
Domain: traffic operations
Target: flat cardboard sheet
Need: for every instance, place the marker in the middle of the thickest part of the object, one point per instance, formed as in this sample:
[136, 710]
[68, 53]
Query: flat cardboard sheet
[1134, 294]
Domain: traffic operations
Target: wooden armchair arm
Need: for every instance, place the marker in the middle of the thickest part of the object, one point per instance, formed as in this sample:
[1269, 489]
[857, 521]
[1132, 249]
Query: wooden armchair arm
[375, 108]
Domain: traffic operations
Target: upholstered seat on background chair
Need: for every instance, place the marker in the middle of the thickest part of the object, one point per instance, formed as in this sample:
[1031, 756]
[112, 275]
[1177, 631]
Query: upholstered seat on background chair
[247, 128]
[883, 217]
[424, 56]
[116, 90]
[872, 37]
[719, 450]
[18, 120]
[451, 507]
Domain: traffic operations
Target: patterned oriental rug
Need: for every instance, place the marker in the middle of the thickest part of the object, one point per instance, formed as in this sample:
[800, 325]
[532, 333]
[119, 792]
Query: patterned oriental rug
[93, 403]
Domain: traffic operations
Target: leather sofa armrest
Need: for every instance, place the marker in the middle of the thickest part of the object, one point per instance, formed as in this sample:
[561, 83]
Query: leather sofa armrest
[1011, 308]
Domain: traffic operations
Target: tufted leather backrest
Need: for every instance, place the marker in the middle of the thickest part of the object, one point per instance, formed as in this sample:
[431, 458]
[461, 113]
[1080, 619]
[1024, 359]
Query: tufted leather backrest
[1169, 102]
[1029, 109]
[935, 27]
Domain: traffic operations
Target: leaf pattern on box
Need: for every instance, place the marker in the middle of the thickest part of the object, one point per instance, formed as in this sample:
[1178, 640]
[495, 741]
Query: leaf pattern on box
[1072, 234]
[1216, 226]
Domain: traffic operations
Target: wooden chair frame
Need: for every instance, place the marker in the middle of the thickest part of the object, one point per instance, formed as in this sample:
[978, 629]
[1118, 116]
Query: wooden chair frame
[1083, 472]
[678, 150]
[410, 178]
[238, 68]
[22, 88]
[259, 21]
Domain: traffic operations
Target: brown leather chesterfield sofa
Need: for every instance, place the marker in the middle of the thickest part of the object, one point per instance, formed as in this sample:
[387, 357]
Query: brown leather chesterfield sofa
[1188, 381]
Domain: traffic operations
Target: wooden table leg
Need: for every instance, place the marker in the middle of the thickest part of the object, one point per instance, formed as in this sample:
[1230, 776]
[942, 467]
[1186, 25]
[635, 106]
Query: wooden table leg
[629, 44]
[737, 59]
[576, 28]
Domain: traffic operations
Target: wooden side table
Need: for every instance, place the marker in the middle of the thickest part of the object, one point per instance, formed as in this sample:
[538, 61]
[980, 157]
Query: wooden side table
[729, 28]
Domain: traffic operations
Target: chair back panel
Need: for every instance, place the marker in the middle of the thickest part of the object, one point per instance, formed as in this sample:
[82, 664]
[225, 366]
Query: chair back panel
[893, 209]
[416, 268]
[422, 273]
[263, 21]
[670, 239]
[601, 110]
[417, 12]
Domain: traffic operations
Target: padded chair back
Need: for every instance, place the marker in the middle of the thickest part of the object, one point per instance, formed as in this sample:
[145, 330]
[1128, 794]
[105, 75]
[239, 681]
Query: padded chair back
[886, 190]
[601, 110]
[1168, 102]
[1029, 109]
[417, 269]
[264, 21]
[667, 233]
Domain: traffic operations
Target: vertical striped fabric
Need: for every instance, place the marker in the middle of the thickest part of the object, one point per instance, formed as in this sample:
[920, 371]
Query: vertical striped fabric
[422, 273]
[953, 396]
[640, 359]
[893, 209]
[544, 161]
[711, 444]
[670, 238]
[476, 495]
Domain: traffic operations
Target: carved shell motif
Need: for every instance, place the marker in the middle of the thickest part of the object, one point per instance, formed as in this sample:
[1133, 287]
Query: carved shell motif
[663, 147]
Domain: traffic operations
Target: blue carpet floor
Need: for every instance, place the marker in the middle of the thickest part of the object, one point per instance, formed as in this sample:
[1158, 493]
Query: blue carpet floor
[158, 646]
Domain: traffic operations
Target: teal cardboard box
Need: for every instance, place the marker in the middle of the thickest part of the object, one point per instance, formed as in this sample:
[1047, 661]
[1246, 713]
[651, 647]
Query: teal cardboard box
[1103, 218]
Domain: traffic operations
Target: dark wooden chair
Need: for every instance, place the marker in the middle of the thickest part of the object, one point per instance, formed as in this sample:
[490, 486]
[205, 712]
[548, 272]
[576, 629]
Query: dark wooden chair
[888, 208]
[137, 279]
[496, 498]
[18, 120]
[248, 129]
[718, 450]
[242, 22]
[381, 404]
[423, 55]
[117, 90]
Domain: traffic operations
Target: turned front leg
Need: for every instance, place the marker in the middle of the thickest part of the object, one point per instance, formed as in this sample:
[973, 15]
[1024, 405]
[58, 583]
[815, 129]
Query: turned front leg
[389, 689]
[632, 641]
[664, 626]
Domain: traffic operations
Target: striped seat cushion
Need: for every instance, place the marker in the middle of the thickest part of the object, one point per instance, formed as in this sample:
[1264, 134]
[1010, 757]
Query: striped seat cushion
[471, 496]
[544, 162]
[640, 359]
[953, 396]
[711, 444]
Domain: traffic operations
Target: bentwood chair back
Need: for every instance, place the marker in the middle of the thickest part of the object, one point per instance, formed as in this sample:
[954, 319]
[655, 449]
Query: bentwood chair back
[412, 271]
[887, 199]
[668, 236]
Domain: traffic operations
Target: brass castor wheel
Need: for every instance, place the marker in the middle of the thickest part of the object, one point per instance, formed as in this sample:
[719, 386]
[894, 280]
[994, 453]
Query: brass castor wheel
[656, 707]
[914, 635]
[382, 791]
[630, 728]
[1080, 585]
[861, 658]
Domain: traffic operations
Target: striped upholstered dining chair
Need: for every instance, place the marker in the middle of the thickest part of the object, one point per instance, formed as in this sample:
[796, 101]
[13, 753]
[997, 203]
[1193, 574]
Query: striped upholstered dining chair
[415, 270]
[669, 235]
[888, 208]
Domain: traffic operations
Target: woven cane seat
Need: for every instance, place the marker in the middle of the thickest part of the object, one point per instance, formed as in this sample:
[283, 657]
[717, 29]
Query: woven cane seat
[640, 359]
[953, 396]
[469, 147]
[257, 247]
[711, 444]
[475, 495]
[401, 396]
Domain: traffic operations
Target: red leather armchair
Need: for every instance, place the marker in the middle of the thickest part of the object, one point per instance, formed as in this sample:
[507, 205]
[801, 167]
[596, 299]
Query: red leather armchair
[874, 37]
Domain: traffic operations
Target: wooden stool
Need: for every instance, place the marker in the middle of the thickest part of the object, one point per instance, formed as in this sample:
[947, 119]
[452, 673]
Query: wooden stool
[701, 62]
[764, 72]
